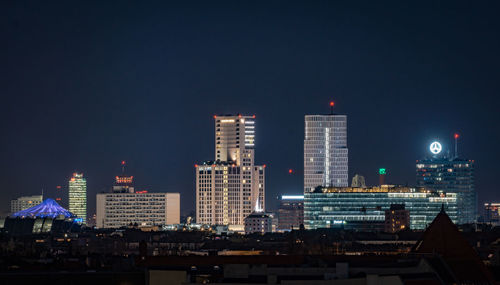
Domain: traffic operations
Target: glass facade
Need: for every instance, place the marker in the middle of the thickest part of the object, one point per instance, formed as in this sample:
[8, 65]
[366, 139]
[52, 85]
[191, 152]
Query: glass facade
[451, 175]
[78, 196]
[364, 208]
[325, 151]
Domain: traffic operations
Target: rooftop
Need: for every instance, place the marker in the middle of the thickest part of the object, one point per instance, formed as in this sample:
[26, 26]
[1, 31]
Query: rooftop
[47, 209]
[373, 189]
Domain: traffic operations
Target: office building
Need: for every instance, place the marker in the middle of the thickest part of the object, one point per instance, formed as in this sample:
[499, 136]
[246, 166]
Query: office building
[77, 196]
[115, 210]
[491, 213]
[291, 212]
[397, 218]
[451, 174]
[25, 202]
[258, 222]
[325, 151]
[364, 208]
[231, 187]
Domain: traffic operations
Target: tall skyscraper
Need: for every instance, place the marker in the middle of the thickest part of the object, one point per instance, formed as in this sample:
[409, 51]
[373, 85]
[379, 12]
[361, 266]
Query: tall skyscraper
[451, 174]
[325, 151]
[229, 188]
[78, 196]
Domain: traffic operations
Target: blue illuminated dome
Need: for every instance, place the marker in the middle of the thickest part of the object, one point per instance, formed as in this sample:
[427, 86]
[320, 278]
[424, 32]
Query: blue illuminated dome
[47, 209]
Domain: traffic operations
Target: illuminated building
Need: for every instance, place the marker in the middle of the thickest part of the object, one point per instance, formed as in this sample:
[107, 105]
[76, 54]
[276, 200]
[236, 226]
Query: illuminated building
[491, 213]
[364, 208]
[258, 222]
[125, 206]
[115, 210]
[47, 209]
[397, 218]
[291, 212]
[25, 202]
[77, 196]
[231, 187]
[123, 183]
[325, 151]
[358, 181]
[451, 174]
[46, 217]
[382, 172]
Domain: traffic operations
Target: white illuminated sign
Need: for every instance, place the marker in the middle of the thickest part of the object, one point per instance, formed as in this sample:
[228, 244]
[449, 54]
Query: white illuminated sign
[292, 197]
[435, 147]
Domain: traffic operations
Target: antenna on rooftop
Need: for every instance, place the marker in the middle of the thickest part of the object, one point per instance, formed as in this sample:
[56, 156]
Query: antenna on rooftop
[456, 136]
[331, 107]
[123, 166]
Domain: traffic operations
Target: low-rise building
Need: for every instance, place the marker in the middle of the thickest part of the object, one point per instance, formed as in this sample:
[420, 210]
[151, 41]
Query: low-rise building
[291, 212]
[397, 218]
[116, 210]
[491, 213]
[364, 208]
[25, 202]
[258, 222]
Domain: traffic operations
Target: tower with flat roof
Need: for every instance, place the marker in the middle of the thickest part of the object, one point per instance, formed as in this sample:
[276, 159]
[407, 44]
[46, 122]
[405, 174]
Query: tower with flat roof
[440, 171]
[77, 196]
[325, 151]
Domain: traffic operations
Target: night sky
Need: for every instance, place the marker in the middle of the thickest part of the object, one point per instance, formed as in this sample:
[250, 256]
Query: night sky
[85, 85]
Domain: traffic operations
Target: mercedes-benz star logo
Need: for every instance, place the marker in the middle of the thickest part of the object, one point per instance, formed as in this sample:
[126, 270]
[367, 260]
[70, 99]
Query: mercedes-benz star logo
[435, 147]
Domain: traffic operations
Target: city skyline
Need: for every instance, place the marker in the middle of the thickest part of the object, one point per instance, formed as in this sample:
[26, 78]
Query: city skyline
[142, 86]
[233, 156]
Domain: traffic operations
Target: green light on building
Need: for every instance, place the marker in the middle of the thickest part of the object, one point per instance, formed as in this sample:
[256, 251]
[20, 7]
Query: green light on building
[381, 171]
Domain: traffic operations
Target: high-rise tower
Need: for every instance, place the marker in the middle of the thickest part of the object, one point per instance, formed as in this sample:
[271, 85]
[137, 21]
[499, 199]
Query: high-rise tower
[325, 151]
[78, 196]
[450, 174]
[231, 187]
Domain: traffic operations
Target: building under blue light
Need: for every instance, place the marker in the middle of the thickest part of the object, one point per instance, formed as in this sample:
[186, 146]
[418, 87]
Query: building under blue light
[47, 217]
[47, 209]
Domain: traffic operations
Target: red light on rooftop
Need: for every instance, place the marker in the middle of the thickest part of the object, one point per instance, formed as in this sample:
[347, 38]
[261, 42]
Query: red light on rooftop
[332, 104]
[456, 136]
[58, 187]
[123, 162]
[196, 165]
[239, 116]
[264, 166]
[253, 116]
[215, 116]
[290, 171]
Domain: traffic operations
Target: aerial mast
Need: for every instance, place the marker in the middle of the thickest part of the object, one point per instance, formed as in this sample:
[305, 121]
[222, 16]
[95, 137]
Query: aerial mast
[456, 136]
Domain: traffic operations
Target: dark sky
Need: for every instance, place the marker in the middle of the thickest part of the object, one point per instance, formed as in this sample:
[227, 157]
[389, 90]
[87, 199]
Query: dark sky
[85, 85]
